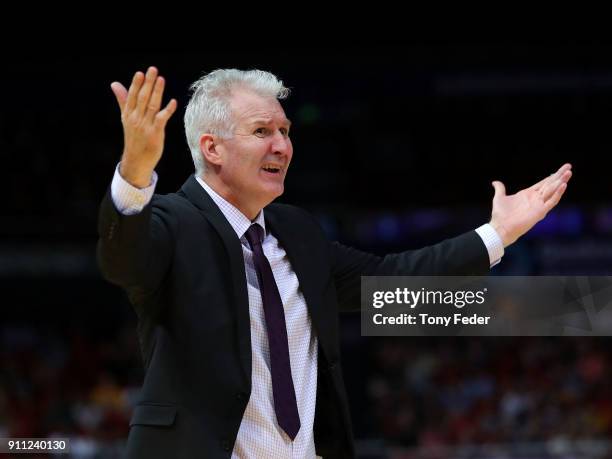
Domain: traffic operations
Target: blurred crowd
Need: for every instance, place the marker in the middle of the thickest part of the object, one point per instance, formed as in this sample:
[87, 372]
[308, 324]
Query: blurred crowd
[461, 391]
[70, 385]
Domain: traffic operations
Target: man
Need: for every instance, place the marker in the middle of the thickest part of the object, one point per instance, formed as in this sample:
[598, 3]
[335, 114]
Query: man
[237, 298]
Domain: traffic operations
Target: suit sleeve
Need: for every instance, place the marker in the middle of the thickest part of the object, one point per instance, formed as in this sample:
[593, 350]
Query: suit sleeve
[135, 251]
[465, 255]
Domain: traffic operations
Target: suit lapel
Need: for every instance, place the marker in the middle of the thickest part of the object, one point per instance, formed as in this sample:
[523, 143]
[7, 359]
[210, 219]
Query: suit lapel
[198, 197]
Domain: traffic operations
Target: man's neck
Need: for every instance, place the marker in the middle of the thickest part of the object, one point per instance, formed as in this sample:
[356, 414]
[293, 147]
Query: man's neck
[249, 211]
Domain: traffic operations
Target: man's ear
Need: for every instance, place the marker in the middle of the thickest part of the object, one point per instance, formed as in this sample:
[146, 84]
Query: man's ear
[209, 148]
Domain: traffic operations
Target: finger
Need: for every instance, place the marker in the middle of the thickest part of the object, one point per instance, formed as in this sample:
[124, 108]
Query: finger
[550, 188]
[556, 197]
[156, 97]
[145, 91]
[164, 115]
[120, 94]
[566, 176]
[500, 189]
[552, 177]
[137, 80]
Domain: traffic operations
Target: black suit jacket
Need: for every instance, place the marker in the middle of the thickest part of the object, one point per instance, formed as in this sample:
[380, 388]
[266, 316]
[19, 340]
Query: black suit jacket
[182, 266]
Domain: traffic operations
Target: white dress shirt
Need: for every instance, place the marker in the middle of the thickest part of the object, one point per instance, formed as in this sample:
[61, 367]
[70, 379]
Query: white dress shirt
[259, 435]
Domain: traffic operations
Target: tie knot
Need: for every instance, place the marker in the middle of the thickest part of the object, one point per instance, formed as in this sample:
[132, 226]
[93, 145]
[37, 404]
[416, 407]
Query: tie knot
[254, 235]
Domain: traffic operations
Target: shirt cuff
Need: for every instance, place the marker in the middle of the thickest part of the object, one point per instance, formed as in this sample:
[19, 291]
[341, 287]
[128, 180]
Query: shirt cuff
[128, 199]
[492, 242]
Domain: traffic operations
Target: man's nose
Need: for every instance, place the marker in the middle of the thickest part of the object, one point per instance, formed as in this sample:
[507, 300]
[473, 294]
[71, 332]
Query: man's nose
[281, 144]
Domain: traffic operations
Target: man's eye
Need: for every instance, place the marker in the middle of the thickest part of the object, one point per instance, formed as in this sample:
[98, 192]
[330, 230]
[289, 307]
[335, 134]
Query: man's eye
[284, 132]
[260, 131]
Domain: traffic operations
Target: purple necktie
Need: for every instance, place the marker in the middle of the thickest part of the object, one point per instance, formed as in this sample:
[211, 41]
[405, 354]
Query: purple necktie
[285, 404]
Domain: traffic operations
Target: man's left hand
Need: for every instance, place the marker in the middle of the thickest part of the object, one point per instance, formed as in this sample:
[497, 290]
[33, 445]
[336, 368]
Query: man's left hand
[514, 215]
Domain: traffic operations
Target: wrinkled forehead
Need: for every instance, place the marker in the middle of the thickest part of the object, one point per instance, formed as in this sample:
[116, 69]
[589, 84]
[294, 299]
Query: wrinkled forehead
[248, 107]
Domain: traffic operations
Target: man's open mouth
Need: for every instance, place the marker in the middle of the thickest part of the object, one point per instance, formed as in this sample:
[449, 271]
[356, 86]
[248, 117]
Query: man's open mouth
[272, 168]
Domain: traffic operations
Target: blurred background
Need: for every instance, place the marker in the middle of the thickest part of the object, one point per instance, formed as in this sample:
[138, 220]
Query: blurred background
[395, 148]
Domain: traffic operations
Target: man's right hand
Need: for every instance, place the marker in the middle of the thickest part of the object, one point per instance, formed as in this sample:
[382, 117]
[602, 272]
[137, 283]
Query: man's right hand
[144, 125]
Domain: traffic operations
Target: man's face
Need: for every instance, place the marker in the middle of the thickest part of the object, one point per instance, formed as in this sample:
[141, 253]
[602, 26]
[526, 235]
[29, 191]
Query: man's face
[255, 160]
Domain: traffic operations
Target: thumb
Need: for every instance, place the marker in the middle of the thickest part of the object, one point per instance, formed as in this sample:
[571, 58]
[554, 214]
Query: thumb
[500, 189]
[120, 94]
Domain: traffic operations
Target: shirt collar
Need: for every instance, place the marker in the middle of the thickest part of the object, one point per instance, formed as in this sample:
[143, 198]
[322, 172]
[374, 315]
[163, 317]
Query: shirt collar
[240, 222]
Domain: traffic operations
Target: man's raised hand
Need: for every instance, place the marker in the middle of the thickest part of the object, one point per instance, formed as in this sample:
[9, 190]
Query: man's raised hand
[144, 125]
[514, 215]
